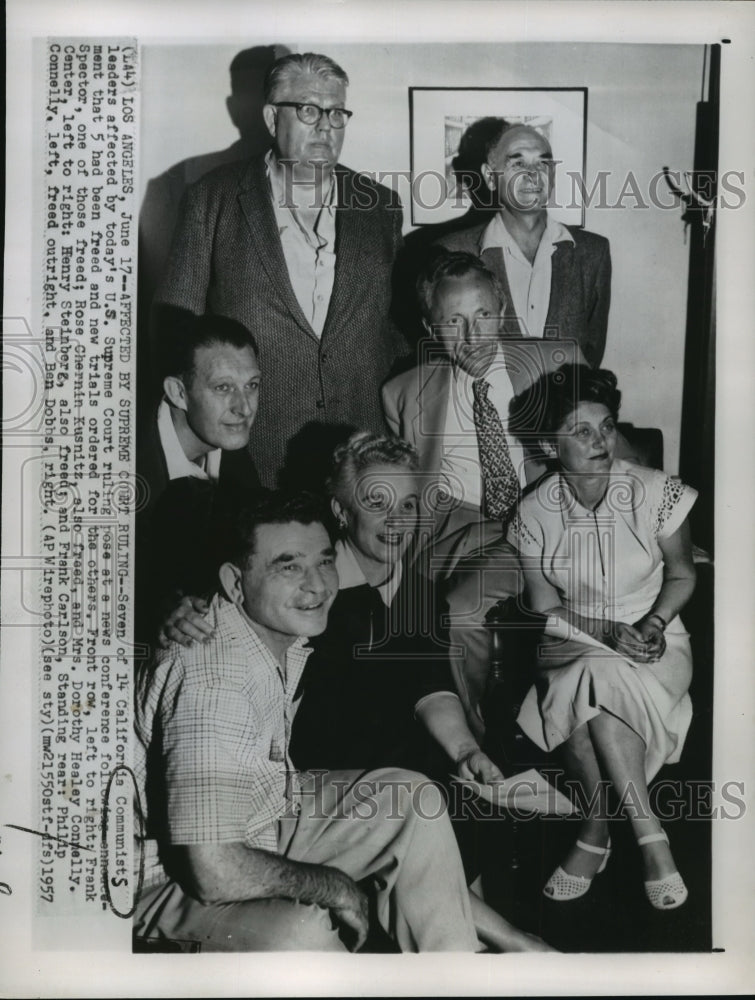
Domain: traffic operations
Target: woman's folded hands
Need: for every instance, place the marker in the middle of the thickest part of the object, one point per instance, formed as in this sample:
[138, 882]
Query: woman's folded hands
[643, 641]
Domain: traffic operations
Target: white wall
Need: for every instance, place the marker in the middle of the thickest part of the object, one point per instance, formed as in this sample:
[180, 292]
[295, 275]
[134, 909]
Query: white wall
[641, 116]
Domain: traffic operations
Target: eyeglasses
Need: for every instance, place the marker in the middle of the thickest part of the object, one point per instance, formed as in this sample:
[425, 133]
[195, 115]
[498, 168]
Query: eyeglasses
[311, 114]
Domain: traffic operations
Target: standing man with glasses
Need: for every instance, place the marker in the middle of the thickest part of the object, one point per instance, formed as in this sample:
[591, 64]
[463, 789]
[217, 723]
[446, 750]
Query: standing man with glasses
[300, 250]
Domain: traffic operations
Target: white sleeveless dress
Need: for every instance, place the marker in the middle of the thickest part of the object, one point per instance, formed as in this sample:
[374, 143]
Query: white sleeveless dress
[606, 563]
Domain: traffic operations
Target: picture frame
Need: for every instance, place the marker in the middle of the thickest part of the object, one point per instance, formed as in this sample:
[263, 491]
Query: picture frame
[438, 117]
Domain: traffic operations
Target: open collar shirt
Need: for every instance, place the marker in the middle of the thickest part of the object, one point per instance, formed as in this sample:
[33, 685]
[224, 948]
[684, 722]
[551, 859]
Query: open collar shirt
[179, 466]
[350, 573]
[221, 715]
[310, 254]
[530, 284]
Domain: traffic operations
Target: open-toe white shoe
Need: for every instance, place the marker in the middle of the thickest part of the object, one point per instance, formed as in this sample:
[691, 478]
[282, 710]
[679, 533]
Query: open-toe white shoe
[562, 886]
[665, 893]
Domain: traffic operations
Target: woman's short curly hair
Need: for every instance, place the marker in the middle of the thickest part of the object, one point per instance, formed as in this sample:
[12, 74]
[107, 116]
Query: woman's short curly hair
[540, 410]
[361, 451]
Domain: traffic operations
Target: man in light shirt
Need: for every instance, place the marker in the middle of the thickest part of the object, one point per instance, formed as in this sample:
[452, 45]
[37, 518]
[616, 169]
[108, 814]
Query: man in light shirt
[240, 851]
[556, 278]
[435, 406]
[300, 250]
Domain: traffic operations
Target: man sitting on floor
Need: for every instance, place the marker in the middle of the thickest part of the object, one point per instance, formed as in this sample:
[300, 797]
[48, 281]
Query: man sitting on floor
[241, 852]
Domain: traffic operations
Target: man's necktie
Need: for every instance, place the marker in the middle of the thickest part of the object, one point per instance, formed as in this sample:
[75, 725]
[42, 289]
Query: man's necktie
[500, 483]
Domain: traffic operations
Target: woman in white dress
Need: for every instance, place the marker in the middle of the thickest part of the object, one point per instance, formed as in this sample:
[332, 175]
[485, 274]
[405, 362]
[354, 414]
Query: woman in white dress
[606, 555]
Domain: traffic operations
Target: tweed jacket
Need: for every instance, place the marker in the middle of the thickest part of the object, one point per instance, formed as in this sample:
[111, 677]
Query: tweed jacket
[580, 286]
[227, 259]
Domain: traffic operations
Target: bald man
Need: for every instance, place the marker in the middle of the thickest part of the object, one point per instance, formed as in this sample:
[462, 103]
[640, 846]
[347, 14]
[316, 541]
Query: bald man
[556, 279]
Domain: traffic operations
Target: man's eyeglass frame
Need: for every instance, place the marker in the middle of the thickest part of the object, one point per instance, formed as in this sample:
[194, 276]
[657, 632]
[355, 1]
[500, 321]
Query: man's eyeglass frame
[300, 106]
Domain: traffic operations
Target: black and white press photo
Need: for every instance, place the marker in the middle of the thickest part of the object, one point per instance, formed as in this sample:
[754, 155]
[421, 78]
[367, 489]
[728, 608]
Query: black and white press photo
[376, 453]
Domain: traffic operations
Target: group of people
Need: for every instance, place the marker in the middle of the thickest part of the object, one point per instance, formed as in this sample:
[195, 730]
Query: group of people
[320, 655]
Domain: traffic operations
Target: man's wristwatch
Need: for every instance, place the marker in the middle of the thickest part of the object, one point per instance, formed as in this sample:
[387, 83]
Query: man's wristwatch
[661, 621]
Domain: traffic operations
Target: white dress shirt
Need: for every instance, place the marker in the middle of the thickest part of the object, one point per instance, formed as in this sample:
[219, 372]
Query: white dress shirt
[310, 254]
[460, 456]
[530, 284]
[179, 466]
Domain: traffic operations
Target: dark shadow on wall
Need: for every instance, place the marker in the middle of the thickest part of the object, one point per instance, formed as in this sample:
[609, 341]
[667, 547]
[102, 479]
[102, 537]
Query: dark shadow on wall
[159, 211]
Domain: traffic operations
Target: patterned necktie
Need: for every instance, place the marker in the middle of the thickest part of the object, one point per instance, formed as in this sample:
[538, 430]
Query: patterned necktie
[500, 483]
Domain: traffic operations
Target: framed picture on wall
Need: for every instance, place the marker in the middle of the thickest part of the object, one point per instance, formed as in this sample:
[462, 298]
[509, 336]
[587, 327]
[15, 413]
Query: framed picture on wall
[440, 115]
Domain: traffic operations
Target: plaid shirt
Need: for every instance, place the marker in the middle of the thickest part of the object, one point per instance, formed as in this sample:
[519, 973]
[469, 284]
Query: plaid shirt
[213, 724]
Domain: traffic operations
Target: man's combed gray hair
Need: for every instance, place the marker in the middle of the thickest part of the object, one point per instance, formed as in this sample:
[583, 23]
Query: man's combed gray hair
[452, 264]
[289, 67]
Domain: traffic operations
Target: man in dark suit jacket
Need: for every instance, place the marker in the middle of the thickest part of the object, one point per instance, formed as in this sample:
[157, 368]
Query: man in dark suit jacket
[192, 450]
[556, 279]
[200, 429]
[299, 250]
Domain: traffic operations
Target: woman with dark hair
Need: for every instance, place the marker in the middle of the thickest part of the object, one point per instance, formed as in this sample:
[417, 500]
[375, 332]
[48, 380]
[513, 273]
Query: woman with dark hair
[606, 555]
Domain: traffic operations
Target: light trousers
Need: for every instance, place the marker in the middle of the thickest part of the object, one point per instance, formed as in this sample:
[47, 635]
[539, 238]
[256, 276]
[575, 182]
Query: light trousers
[469, 554]
[387, 829]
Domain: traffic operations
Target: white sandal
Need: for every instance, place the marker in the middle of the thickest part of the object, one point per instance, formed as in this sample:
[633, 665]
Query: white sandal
[562, 886]
[665, 893]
